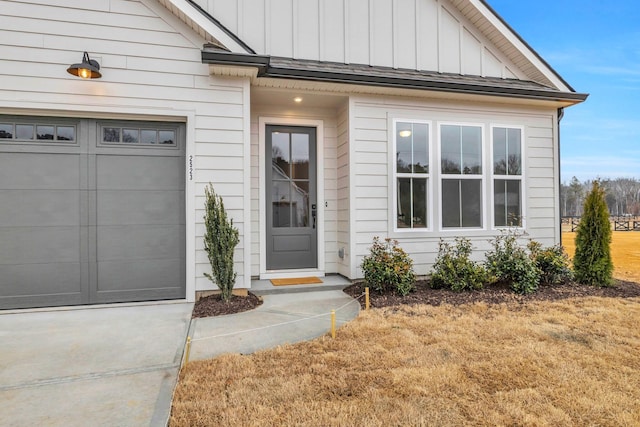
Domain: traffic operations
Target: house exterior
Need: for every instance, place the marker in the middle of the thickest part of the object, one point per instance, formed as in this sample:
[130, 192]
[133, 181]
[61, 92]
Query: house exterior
[322, 124]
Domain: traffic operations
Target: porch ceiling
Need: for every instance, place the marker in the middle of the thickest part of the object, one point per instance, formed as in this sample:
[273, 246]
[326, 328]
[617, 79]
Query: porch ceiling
[285, 97]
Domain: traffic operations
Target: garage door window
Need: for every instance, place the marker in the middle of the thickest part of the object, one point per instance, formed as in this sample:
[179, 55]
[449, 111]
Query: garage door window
[140, 136]
[37, 132]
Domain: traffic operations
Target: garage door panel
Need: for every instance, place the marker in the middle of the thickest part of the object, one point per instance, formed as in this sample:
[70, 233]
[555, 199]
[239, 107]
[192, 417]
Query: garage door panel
[50, 279]
[37, 245]
[27, 171]
[143, 275]
[139, 173]
[39, 208]
[139, 242]
[132, 207]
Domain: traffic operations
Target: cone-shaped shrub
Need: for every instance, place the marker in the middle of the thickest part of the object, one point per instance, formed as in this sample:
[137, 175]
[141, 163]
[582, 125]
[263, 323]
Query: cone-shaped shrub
[592, 262]
[220, 241]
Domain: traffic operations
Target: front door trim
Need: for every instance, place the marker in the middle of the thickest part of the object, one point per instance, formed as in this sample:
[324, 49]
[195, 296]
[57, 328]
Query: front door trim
[288, 121]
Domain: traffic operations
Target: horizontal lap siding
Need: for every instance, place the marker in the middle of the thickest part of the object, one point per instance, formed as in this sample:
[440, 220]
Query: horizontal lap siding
[151, 66]
[373, 166]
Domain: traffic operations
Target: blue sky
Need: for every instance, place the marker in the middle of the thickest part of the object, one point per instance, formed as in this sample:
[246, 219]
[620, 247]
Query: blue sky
[595, 46]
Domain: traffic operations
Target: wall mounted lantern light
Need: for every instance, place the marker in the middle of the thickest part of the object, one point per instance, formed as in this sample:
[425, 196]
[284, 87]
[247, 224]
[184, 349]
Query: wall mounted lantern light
[88, 69]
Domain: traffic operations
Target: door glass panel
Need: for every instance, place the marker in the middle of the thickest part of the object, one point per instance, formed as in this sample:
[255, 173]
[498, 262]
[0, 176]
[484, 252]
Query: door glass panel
[110, 134]
[281, 203]
[167, 137]
[44, 132]
[66, 133]
[280, 155]
[300, 203]
[130, 136]
[6, 131]
[24, 131]
[300, 155]
[148, 136]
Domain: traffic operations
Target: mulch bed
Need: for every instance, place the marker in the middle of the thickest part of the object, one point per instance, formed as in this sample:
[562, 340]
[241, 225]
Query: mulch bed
[491, 294]
[213, 305]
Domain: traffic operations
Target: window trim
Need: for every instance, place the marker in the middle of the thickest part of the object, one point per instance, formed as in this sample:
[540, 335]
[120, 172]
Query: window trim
[521, 177]
[394, 175]
[482, 177]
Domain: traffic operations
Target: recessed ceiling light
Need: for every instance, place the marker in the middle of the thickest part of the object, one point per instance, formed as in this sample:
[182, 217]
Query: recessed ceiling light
[405, 133]
[297, 99]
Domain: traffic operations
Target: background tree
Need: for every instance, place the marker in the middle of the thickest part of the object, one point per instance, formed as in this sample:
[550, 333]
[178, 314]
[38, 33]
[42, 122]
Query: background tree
[592, 261]
[220, 241]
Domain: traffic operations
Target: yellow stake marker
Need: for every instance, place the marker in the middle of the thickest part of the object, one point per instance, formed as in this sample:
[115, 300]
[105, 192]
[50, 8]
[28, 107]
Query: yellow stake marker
[186, 358]
[366, 298]
[333, 324]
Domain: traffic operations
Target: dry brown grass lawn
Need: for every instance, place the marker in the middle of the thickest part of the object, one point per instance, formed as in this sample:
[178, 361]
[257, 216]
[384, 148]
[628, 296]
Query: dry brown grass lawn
[625, 251]
[574, 362]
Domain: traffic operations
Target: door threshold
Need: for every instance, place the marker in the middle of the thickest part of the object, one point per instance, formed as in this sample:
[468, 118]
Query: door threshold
[291, 274]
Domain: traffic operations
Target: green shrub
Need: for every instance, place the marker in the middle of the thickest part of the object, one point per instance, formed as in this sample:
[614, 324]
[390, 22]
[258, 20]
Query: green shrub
[220, 241]
[592, 263]
[509, 263]
[388, 267]
[552, 262]
[454, 269]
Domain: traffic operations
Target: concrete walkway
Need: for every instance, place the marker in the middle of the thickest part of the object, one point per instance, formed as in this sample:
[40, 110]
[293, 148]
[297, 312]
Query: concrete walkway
[282, 318]
[111, 366]
[117, 365]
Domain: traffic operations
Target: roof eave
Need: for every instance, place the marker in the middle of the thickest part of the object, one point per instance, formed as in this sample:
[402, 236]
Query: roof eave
[266, 69]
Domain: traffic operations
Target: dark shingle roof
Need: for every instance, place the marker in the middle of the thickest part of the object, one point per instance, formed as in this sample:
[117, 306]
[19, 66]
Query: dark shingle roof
[301, 69]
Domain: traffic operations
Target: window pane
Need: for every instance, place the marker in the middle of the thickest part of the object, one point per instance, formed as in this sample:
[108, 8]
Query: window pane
[514, 212]
[280, 155]
[24, 131]
[499, 151]
[300, 155]
[66, 133]
[507, 203]
[300, 203]
[167, 137]
[404, 136]
[148, 136]
[404, 203]
[111, 134]
[451, 203]
[45, 132]
[499, 203]
[420, 148]
[514, 151]
[419, 203]
[281, 203]
[471, 197]
[471, 150]
[450, 149]
[6, 131]
[130, 136]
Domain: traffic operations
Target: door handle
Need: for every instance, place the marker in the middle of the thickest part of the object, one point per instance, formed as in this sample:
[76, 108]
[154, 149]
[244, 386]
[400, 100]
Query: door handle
[313, 215]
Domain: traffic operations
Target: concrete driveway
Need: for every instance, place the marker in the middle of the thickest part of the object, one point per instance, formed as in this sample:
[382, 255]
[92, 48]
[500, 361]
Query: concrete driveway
[101, 366]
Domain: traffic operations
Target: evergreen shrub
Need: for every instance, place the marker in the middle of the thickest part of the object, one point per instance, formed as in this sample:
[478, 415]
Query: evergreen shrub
[454, 268]
[388, 266]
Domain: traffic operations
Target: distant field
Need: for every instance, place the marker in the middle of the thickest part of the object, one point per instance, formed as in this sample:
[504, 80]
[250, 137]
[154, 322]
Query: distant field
[625, 250]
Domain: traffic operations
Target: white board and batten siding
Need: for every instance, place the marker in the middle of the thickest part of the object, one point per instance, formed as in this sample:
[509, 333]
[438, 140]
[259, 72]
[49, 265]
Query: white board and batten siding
[429, 35]
[372, 163]
[152, 70]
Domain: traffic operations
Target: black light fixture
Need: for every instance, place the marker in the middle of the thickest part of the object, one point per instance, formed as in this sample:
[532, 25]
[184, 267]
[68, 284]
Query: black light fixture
[88, 69]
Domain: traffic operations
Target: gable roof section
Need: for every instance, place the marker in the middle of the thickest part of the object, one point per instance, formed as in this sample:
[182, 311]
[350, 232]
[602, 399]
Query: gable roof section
[206, 25]
[505, 38]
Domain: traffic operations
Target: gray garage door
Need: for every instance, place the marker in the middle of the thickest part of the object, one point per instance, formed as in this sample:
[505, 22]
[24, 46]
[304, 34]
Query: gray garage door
[91, 211]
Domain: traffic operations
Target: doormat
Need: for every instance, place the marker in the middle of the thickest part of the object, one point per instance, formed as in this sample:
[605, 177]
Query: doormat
[295, 281]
